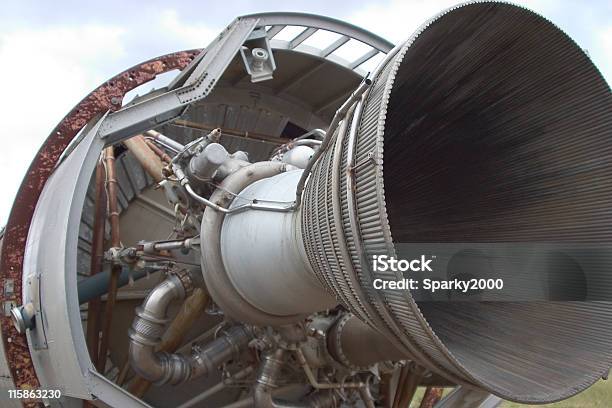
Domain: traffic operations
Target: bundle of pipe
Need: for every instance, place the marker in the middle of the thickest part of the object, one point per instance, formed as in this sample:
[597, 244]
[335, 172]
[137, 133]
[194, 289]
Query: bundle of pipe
[487, 125]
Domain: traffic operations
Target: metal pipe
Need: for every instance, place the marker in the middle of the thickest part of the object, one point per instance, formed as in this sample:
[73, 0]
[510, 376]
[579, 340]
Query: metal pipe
[320, 133]
[111, 180]
[191, 309]
[165, 140]
[340, 113]
[161, 367]
[159, 152]
[206, 359]
[147, 158]
[253, 205]
[96, 286]
[97, 256]
[267, 382]
[356, 345]
[305, 142]
[243, 403]
[161, 144]
[147, 330]
[152, 247]
[384, 390]
[218, 387]
[232, 132]
[313, 380]
[366, 397]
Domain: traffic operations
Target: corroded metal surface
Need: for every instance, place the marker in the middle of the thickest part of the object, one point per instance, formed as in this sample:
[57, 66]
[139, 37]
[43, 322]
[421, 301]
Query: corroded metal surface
[106, 97]
[431, 397]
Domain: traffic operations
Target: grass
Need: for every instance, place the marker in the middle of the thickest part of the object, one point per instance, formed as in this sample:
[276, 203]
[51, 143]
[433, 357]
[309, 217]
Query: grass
[598, 396]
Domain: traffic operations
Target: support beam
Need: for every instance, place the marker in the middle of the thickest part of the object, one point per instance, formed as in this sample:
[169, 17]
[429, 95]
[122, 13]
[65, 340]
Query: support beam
[274, 30]
[97, 254]
[301, 37]
[233, 132]
[334, 46]
[152, 113]
[113, 284]
[365, 57]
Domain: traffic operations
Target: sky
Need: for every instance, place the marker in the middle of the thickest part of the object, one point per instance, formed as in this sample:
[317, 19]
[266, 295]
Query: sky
[52, 54]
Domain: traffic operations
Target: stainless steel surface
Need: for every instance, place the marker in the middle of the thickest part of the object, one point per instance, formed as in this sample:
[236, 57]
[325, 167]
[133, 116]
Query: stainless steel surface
[263, 254]
[298, 156]
[57, 343]
[217, 280]
[146, 333]
[441, 163]
[205, 359]
[203, 165]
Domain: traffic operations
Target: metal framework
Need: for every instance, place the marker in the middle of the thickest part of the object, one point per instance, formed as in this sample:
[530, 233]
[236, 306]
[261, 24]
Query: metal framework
[83, 137]
[198, 79]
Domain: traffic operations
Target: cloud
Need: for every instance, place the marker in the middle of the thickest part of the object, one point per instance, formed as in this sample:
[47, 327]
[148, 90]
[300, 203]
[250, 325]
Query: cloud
[604, 57]
[44, 73]
[184, 34]
[396, 20]
[47, 69]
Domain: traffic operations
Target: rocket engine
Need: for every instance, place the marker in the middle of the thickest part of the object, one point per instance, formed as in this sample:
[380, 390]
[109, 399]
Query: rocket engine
[214, 242]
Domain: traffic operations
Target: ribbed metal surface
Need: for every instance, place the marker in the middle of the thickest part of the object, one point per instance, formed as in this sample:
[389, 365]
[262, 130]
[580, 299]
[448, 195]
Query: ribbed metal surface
[496, 127]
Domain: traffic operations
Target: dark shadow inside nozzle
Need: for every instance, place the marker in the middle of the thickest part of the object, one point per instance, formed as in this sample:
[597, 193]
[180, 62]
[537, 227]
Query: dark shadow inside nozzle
[499, 130]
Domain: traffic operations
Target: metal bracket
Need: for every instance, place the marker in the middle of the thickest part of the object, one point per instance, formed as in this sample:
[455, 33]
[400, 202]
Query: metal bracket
[151, 113]
[257, 56]
[38, 336]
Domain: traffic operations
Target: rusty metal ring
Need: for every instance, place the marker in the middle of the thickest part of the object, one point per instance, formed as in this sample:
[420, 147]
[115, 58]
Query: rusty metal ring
[107, 96]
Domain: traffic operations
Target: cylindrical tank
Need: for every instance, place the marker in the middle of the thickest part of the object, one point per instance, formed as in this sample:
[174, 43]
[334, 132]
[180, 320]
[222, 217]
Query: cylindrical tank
[263, 252]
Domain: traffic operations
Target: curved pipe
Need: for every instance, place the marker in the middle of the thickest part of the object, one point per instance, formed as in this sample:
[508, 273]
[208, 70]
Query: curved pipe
[160, 367]
[146, 332]
[338, 116]
[218, 283]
